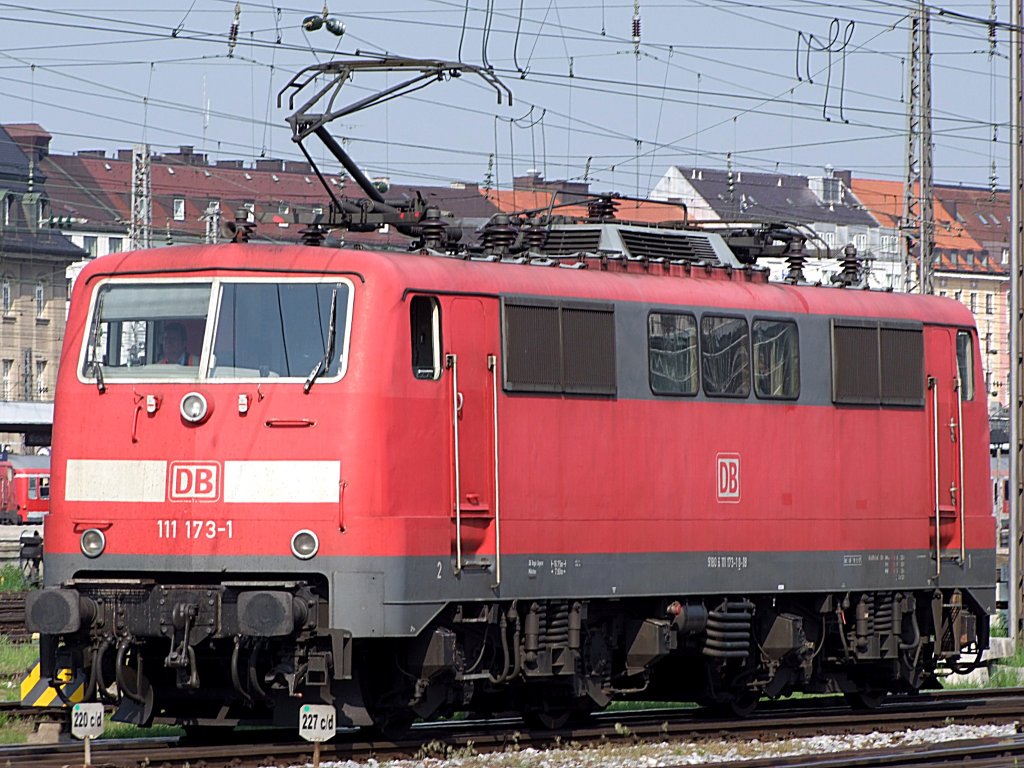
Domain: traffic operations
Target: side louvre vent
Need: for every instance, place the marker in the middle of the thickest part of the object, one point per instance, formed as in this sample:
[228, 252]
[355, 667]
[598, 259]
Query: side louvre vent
[877, 362]
[662, 245]
[563, 241]
[558, 347]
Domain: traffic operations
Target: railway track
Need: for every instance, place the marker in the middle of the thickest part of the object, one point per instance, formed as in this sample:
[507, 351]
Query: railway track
[809, 717]
[12, 616]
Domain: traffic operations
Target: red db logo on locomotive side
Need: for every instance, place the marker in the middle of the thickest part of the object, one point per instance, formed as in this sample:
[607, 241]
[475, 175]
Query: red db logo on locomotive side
[194, 481]
[729, 477]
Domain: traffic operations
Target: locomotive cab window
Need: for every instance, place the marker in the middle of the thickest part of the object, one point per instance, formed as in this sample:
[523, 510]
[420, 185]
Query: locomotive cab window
[147, 331]
[425, 324]
[39, 487]
[161, 330]
[672, 353]
[725, 356]
[965, 364]
[286, 330]
[776, 359]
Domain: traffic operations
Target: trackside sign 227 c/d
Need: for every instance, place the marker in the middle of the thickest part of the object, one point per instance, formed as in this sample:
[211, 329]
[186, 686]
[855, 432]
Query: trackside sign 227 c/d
[728, 478]
[194, 481]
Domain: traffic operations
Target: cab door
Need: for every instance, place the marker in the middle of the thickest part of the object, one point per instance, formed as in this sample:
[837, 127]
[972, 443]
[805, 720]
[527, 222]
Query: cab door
[471, 366]
[945, 417]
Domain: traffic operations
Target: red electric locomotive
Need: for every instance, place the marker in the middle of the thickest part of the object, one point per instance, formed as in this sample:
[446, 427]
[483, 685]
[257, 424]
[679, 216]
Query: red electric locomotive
[24, 489]
[584, 460]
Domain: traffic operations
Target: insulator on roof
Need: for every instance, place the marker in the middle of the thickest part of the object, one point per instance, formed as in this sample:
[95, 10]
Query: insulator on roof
[850, 274]
[795, 260]
[432, 228]
[238, 231]
[498, 235]
[314, 234]
[534, 235]
[602, 207]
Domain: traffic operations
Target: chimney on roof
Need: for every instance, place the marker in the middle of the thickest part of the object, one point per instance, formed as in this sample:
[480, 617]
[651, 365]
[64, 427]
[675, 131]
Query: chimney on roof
[297, 166]
[186, 155]
[533, 181]
[124, 154]
[231, 164]
[31, 138]
[269, 164]
[96, 154]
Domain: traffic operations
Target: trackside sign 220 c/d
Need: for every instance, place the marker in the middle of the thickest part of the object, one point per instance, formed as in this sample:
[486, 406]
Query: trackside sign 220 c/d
[194, 481]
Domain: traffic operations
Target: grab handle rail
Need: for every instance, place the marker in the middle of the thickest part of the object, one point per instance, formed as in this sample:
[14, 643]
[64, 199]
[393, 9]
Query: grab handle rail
[935, 440]
[452, 361]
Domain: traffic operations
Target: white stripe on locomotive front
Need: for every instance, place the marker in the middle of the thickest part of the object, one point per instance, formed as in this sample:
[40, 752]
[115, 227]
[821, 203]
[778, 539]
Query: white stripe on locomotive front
[249, 482]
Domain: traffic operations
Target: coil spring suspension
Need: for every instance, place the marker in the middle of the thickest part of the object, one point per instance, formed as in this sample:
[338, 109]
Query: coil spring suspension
[728, 630]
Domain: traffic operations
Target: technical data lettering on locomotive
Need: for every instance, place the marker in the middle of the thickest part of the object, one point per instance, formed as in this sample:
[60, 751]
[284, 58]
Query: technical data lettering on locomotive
[893, 564]
[195, 529]
[728, 562]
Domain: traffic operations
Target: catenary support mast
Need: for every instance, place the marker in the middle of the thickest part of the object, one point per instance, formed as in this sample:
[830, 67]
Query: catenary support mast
[1016, 326]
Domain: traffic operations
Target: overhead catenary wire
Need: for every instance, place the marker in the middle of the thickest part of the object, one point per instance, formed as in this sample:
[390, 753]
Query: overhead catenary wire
[543, 14]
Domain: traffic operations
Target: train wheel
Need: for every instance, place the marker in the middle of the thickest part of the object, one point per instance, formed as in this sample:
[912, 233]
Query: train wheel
[548, 717]
[743, 704]
[866, 699]
[554, 712]
[394, 724]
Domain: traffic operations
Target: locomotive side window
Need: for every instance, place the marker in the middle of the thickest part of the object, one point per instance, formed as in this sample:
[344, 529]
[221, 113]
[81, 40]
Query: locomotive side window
[776, 359]
[425, 323]
[558, 347]
[965, 364]
[725, 356]
[877, 363]
[130, 322]
[672, 353]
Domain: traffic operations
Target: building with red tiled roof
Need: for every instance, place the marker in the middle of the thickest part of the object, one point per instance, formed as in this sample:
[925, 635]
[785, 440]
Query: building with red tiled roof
[569, 198]
[91, 199]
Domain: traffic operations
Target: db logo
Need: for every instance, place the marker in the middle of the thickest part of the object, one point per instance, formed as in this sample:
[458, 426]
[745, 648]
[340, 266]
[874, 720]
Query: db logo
[194, 481]
[729, 477]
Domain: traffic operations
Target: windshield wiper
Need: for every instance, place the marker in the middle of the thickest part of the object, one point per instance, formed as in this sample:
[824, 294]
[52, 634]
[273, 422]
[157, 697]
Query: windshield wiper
[325, 363]
[97, 369]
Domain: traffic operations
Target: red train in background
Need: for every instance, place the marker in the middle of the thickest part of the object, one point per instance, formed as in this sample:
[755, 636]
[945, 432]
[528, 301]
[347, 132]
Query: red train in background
[583, 460]
[24, 489]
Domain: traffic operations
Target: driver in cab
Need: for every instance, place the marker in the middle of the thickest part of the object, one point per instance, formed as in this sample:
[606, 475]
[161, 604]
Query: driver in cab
[175, 346]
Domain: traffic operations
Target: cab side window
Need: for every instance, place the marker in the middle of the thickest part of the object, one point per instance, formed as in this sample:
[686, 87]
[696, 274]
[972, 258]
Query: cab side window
[425, 325]
[965, 364]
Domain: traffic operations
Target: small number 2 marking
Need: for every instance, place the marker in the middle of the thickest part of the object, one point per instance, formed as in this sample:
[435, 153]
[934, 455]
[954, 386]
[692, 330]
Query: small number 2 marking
[439, 569]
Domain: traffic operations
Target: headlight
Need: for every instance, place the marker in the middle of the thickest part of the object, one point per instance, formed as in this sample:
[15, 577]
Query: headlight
[93, 542]
[194, 407]
[305, 544]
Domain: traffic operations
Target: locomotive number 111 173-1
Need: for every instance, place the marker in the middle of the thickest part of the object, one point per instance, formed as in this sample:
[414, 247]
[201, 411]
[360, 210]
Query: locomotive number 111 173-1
[194, 529]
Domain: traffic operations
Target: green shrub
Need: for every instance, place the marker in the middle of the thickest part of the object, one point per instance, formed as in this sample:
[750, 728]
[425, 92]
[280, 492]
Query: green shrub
[12, 579]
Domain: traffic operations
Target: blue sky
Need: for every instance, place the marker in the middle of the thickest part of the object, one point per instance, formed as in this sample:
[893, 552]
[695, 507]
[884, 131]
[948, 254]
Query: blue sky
[792, 87]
